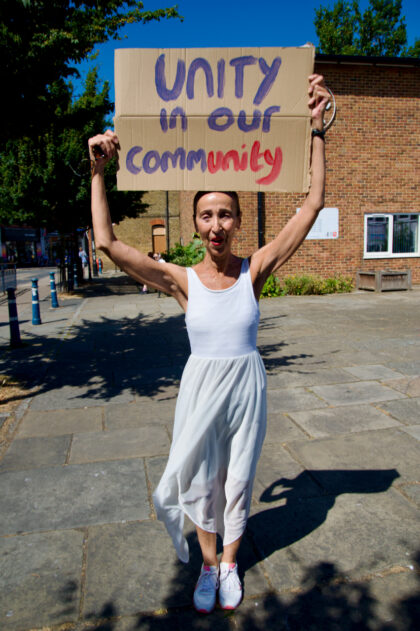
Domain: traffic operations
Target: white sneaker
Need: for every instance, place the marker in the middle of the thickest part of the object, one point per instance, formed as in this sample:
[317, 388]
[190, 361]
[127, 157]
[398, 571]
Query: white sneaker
[230, 588]
[206, 588]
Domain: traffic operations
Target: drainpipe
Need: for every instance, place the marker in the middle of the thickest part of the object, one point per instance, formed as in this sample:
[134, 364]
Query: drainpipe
[167, 221]
[261, 218]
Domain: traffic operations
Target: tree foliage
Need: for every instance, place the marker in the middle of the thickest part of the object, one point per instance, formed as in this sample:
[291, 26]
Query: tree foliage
[44, 171]
[379, 31]
[40, 43]
[45, 179]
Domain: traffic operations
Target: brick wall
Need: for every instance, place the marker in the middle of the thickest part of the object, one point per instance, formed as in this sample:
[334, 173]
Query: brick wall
[373, 158]
[138, 232]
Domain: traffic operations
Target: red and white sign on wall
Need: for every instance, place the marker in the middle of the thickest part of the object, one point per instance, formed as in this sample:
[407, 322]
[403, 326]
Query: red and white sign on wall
[208, 119]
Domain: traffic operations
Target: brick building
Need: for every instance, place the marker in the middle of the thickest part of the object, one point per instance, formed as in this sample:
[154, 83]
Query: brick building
[148, 233]
[373, 166]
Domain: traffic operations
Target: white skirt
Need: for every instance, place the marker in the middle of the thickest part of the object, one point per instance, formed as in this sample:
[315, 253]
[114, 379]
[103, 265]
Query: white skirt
[219, 429]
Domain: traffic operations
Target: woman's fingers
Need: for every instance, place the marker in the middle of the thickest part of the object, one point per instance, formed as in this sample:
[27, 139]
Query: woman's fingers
[103, 145]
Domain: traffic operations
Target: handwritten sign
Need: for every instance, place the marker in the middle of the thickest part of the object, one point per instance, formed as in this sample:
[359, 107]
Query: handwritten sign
[208, 119]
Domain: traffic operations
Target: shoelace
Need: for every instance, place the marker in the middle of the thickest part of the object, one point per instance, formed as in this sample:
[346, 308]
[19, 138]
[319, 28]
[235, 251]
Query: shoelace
[230, 579]
[206, 582]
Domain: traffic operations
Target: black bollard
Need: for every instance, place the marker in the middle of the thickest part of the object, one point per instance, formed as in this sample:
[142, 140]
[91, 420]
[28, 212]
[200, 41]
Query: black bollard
[15, 340]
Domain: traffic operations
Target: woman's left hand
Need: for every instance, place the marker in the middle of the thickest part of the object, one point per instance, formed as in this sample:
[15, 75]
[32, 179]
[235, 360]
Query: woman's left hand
[318, 99]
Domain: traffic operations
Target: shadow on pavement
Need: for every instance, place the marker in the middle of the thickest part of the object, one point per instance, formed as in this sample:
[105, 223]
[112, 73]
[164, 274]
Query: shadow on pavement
[103, 358]
[326, 599]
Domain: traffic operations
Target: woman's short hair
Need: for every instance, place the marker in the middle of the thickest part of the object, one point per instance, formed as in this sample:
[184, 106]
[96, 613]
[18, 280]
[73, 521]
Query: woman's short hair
[231, 194]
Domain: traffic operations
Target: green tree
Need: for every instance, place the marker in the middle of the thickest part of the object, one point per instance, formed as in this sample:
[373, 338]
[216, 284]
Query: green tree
[379, 31]
[40, 43]
[45, 180]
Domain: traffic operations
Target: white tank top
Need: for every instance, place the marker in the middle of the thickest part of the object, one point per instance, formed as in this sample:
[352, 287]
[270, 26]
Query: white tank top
[222, 323]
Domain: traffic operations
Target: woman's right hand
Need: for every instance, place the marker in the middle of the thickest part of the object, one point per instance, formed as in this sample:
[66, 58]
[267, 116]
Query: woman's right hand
[102, 148]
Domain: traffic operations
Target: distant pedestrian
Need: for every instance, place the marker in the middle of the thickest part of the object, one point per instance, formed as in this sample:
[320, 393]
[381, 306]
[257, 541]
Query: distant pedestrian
[84, 261]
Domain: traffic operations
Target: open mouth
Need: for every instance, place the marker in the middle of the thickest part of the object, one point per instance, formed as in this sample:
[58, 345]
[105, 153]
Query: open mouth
[216, 242]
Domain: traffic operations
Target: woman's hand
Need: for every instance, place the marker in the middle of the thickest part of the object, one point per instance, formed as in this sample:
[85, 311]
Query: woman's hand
[318, 100]
[102, 148]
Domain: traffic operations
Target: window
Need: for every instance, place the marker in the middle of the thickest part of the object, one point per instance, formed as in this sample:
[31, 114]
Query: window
[391, 235]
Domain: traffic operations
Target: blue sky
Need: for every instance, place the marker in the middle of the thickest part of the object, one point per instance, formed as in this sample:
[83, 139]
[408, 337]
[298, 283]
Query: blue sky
[229, 23]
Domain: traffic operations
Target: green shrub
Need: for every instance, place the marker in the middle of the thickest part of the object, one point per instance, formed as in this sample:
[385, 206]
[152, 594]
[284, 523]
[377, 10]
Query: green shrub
[306, 285]
[186, 255]
[271, 287]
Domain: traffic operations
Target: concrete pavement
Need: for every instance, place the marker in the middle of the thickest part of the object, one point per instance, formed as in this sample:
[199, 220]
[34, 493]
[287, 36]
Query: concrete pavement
[333, 538]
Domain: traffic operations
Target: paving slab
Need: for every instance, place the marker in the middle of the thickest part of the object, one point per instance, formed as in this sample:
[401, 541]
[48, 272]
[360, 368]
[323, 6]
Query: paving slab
[322, 604]
[412, 491]
[53, 498]
[406, 411]
[409, 385]
[292, 399]
[281, 429]
[134, 567]
[406, 367]
[62, 421]
[128, 415]
[360, 534]
[354, 393]
[40, 579]
[150, 440]
[286, 378]
[342, 420]
[279, 476]
[157, 409]
[155, 468]
[378, 372]
[388, 450]
[29, 453]
[91, 395]
[413, 430]
[397, 598]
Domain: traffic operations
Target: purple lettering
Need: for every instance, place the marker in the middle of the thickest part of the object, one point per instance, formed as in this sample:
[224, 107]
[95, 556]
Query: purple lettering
[220, 112]
[205, 66]
[178, 111]
[151, 155]
[267, 117]
[239, 64]
[221, 78]
[129, 160]
[173, 156]
[163, 120]
[244, 126]
[196, 156]
[160, 81]
[270, 73]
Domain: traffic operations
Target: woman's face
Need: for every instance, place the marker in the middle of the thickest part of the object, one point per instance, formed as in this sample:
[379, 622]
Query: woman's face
[216, 221]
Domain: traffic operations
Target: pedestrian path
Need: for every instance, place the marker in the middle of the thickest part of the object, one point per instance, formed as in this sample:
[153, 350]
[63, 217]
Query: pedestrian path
[332, 541]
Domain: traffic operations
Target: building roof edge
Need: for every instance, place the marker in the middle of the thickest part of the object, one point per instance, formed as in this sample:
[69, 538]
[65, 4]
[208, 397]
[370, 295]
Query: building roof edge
[366, 60]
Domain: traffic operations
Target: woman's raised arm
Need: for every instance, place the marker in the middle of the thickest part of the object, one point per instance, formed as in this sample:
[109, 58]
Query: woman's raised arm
[273, 255]
[168, 278]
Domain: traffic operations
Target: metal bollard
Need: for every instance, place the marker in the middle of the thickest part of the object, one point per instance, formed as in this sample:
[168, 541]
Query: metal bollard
[69, 277]
[36, 315]
[54, 301]
[75, 281]
[15, 341]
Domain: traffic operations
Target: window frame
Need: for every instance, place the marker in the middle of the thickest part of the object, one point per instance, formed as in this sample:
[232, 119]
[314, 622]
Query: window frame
[389, 254]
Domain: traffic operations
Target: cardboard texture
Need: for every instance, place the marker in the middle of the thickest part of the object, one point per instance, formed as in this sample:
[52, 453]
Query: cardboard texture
[213, 118]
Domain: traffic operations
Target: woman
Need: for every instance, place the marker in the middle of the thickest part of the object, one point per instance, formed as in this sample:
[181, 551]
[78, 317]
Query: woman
[221, 409]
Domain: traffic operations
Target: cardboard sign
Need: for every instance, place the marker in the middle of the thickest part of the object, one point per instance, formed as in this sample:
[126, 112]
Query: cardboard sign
[213, 118]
